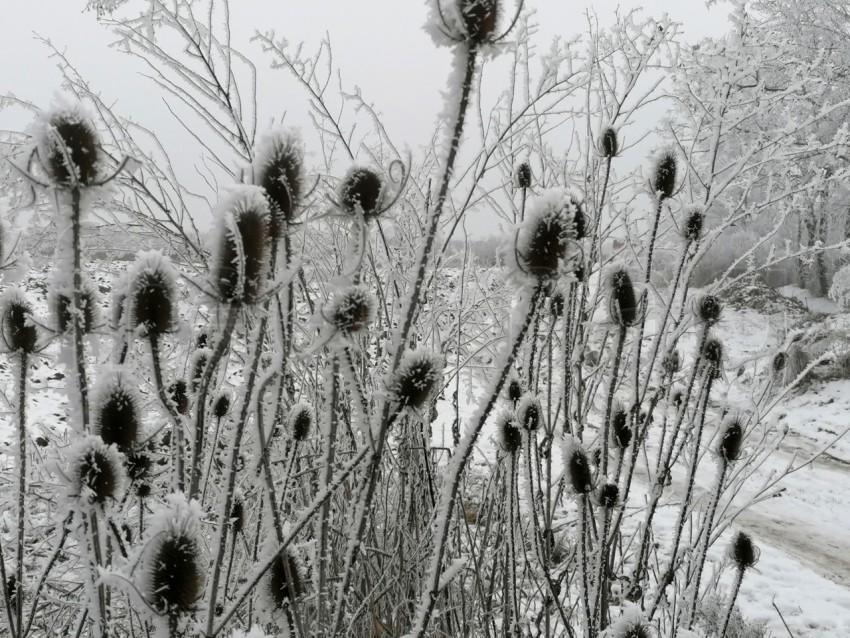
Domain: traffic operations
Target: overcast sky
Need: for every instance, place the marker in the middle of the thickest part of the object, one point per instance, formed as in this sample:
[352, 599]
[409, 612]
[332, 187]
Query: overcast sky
[379, 45]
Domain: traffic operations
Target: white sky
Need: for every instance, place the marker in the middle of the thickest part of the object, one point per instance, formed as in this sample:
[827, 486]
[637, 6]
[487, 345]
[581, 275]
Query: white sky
[379, 45]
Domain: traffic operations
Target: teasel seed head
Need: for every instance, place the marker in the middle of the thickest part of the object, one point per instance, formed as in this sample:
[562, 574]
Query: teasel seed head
[672, 362]
[418, 378]
[279, 170]
[621, 433]
[200, 359]
[300, 420]
[138, 466]
[62, 303]
[352, 309]
[68, 148]
[278, 587]
[664, 173]
[222, 405]
[731, 441]
[178, 393]
[694, 222]
[712, 355]
[514, 389]
[708, 309]
[529, 414]
[578, 468]
[608, 494]
[97, 473]
[510, 436]
[363, 189]
[19, 333]
[202, 339]
[173, 562]
[479, 19]
[623, 304]
[780, 360]
[637, 629]
[237, 515]
[117, 410]
[544, 241]
[152, 295]
[609, 145]
[242, 256]
[522, 175]
[143, 490]
[743, 552]
[580, 225]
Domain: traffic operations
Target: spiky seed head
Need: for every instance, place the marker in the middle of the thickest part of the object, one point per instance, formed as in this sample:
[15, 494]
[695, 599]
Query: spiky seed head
[417, 378]
[731, 441]
[608, 494]
[152, 295]
[116, 410]
[780, 359]
[544, 238]
[222, 405]
[515, 390]
[529, 414]
[621, 433]
[201, 339]
[97, 473]
[362, 190]
[712, 354]
[694, 222]
[579, 273]
[352, 309]
[672, 362]
[557, 303]
[510, 436]
[480, 19]
[62, 305]
[237, 515]
[664, 173]
[241, 261]
[278, 588]
[522, 175]
[635, 630]
[622, 302]
[577, 465]
[580, 223]
[300, 420]
[138, 466]
[178, 393]
[143, 490]
[743, 551]
[68, 148]
[609, 145]
[19, 333]
[708, 309]
[279, 170]
[200, 358]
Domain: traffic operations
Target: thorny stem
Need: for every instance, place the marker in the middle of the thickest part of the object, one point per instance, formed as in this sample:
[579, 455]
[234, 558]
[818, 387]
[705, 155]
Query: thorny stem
[739, 577]
[77, 313]
[177, 422]
[329, 450]
[22, 487]
[606, 423]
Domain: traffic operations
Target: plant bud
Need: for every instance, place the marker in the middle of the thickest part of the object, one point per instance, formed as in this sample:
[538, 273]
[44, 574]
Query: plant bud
[222, 405]
[743, 552]
[417, 378]
[116, 410]
[300, 420]
[607, 495]
[510, 436]
[152, 295]
[68, 148]
[731, 441]
[708, 309]
[479, 19]
[362, 191]
[523, 175]
[694, 222]
[621, 433]
[237, 515]
[623, 303]
[138, 466]
[578, 470]
[515, 390]
[663, 180]
[62, 304]
[19, 333]
[279, 170]
[528, 413]
[200, 358]
[201, 340]
[352, 310]
[608, 143]
[241, 262]
[712, 354]
[278, 587]
[178, 393]
[97, 473]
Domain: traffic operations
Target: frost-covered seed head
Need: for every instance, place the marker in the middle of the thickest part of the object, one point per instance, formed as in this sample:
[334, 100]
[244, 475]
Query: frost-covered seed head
[780, 359]
[279, 170]
[522, 175]
[417, 378]
[664, 173]
[278, 584]
[608, 143]
[222, 405]
[712, 354]
[731, 440]
[623, 302]
[580, 224]
[510, 436]
[300, 420]
[743, 552]
[200, 358]
[62, 305]
[708, 309]
[608, 494]
[175, 578]
[544, 238]
[480, 19]
[241, 262]
[579, 273]
[529, 413]
[515, 390]
[352, 309]
[143, 490]
[694, 223]
[201, 339]
[178, 393]
[635, 630]
[237, 515]
[578, 469]
[671, 363]
[19, 333]
[621, 433]
[116, 408]
[97, 472]
[153, 295]
[138, 466]
[362, 190]
[68, 149]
